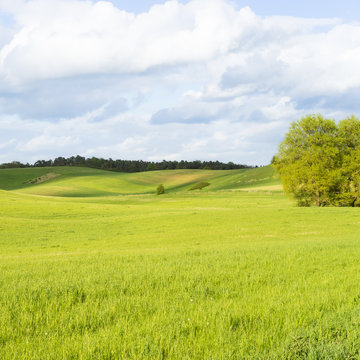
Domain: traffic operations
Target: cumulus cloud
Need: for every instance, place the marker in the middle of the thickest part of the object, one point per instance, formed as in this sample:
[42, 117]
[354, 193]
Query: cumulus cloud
[195, 80]
[66, 38]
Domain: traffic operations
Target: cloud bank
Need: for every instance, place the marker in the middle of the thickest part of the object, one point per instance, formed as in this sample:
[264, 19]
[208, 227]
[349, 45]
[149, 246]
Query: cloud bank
[200, 80]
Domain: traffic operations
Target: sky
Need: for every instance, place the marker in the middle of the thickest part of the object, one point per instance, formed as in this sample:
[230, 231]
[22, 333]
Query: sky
[153, 80]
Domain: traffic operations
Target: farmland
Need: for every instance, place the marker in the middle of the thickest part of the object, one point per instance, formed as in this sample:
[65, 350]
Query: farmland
[94, 265]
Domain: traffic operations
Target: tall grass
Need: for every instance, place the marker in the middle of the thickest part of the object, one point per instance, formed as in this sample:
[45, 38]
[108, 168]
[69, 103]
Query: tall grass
[205, 275]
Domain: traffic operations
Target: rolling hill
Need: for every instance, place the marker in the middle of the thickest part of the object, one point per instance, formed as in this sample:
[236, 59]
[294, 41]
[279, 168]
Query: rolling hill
[86, 182]
[232, 271]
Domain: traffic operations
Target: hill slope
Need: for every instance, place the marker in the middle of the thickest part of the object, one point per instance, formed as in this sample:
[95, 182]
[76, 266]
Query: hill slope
[84, 182]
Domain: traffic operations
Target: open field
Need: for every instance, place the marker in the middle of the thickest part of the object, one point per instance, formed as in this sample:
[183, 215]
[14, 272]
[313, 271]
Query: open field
[98, 267]
[85, 182]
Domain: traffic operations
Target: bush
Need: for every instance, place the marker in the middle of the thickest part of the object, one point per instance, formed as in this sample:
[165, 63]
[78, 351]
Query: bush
[200, 185]
[160, 190]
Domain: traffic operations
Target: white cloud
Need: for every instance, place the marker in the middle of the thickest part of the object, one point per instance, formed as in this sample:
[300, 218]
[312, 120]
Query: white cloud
[66, 38]
[45, 142]
[197, 80]
[6, 144]
[11, 6]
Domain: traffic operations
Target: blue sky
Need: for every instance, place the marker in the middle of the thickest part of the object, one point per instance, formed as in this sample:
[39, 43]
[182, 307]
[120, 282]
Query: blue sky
[347, 9]
[198, 79]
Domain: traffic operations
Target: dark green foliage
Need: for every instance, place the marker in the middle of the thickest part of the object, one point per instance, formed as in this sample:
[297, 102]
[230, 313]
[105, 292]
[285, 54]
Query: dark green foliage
[200, 185]
[160, 190]
[319, 161]
[130, 166]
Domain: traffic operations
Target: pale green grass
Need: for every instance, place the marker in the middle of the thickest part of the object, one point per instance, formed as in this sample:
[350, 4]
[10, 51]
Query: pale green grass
[85, 182]
[187, 275]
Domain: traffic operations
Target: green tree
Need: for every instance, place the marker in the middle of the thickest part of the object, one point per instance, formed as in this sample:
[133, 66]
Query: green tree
[309, 161]
[348, 193]
[160, 190]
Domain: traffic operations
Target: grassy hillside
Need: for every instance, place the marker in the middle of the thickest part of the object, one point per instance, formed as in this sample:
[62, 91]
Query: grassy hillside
[83, 182]
[227, 272]
[188, 275]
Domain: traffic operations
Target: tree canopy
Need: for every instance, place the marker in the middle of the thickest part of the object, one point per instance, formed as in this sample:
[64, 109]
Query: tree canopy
[128, 165]
[319, 161]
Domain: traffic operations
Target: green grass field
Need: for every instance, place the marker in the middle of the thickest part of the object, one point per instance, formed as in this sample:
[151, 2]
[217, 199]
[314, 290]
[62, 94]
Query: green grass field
[94, 265]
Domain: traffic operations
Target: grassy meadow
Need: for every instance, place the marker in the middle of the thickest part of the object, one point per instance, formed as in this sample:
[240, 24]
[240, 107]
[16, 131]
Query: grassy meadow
[94, 265]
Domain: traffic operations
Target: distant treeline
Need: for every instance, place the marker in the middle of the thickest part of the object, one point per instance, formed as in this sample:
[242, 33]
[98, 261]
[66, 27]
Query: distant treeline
[129, 166]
